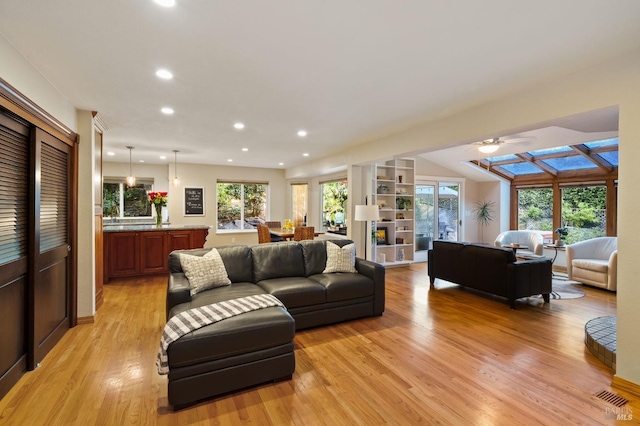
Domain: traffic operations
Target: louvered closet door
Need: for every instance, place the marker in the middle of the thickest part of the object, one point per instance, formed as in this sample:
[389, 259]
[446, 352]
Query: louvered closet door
[14, 249]
[51, 260]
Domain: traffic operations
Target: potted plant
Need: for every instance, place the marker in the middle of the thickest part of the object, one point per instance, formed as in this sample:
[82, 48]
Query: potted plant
[483, 213]
[403, 203]
[562, 232]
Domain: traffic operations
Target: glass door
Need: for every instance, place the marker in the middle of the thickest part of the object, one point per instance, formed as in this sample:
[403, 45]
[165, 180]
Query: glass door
[448, 211]
[425, 223]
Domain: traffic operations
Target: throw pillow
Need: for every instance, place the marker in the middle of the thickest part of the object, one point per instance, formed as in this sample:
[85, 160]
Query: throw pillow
[340, 259]
[204, 272]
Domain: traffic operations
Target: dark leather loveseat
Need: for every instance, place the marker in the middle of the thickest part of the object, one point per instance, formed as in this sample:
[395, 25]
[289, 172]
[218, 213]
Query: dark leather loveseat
[491, 269]
[257, 347]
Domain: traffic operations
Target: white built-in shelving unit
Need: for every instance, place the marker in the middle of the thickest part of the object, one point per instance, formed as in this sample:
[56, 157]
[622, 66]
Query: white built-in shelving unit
[393, 190]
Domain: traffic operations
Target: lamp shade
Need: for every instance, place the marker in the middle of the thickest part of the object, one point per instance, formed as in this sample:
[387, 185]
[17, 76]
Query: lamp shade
[488, 148]
[367, 212]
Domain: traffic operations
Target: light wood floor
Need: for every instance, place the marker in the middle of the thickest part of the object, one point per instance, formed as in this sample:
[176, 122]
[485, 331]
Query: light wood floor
[443, 356]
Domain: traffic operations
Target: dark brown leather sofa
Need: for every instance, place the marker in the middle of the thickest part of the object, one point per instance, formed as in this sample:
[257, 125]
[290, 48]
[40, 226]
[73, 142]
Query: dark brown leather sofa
[257, 347]
[491, 269]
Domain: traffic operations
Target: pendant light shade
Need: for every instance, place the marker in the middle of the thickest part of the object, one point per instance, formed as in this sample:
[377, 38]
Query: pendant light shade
[176, 181]
[131, 179]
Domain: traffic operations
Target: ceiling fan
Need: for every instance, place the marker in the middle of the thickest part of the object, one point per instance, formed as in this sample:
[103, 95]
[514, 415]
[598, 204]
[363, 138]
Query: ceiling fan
[489, 146]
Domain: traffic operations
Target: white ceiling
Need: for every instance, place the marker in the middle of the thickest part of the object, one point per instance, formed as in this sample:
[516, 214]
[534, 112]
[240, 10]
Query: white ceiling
[346, 71]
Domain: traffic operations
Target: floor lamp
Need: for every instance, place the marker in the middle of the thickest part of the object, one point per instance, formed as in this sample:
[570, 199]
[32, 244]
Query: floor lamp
[366, 213]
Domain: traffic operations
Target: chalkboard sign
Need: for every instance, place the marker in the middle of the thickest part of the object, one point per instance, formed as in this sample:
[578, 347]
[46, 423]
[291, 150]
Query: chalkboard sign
[194, 201]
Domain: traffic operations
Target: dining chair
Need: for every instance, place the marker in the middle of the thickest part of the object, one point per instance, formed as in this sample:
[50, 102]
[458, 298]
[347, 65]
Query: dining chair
[303, 233]
[275, 224]
[264, 236]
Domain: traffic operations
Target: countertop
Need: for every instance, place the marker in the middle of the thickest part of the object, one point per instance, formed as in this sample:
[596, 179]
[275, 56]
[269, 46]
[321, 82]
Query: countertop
[151, 227]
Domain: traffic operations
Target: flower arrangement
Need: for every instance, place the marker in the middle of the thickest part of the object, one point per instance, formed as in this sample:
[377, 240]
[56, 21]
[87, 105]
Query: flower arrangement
[159, 200]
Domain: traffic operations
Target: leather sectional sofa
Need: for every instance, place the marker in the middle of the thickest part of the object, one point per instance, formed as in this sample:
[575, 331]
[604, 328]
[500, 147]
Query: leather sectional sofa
[257, 347]
[490, 269]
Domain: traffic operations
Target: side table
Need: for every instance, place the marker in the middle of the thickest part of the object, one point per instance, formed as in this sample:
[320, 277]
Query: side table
[555, 247]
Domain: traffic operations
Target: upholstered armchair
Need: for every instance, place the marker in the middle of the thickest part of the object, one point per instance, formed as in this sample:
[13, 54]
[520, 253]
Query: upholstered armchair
[594, 262]
[531, 239]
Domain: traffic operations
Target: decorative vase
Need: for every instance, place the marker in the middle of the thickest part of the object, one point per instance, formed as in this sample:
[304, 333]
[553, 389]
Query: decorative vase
[158, 215]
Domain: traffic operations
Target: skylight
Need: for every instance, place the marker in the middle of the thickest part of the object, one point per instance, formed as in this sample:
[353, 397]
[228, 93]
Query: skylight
[520, 168]
[575, 162]
[502, 158]
[611, 157]
[560, 161]
[546, 151]
[602, 143]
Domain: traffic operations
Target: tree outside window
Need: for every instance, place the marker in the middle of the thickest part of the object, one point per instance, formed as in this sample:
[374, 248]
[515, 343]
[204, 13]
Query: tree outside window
[240, 205]
[584, 212]
[535, 209]
[121, 201]
[334, 204]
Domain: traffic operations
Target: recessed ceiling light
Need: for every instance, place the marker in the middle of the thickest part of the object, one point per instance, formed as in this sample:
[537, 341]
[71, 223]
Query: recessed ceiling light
[280, 164]
[167, 110]
[164, 74]
[306, 154]
[238, 126]
[163, 157]
[245, 149]
[166, 3]
[302, 133]
[141, 161]
[229, 160]
[111, 153]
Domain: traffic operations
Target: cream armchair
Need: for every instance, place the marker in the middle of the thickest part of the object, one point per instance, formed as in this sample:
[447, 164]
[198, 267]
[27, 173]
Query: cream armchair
[594, 262]
[531, 239]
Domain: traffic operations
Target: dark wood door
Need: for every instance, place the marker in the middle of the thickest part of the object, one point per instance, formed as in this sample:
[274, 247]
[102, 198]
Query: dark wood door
[51, 298]
[124, 257]
[153, 252]
[14, 249]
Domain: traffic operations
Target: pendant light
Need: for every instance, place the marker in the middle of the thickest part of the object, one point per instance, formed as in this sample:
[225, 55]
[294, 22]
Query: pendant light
[131, 179]
[176, 181]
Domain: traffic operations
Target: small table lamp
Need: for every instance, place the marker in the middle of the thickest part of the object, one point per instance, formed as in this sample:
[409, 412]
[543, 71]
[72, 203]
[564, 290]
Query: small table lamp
[366, 213]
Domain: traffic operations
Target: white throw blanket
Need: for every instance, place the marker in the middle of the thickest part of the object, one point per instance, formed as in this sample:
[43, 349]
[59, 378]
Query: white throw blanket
[195, 318]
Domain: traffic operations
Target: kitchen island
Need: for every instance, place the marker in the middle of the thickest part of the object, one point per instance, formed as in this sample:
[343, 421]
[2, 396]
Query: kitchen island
[143, 249]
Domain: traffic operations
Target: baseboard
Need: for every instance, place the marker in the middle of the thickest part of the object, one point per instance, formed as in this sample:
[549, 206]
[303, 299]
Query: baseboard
[86, 320]
[626, 385]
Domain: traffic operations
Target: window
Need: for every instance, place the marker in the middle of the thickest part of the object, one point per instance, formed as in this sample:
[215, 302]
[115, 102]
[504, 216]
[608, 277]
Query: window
[241, 205]
[334, 205]
[122, 201]
[584, 212]
[535, 209]
[299, 195]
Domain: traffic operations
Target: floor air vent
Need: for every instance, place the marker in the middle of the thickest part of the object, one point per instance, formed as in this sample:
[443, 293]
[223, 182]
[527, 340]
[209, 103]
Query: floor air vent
[612, 398]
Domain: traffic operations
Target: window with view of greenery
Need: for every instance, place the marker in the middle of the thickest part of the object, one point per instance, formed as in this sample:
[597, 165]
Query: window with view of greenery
[584, 212]
[241, 205]
[535, 209]
[334, 203]
[120, 200]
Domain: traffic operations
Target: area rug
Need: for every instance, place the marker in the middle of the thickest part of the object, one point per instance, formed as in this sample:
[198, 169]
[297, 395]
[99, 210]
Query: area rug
[565, 289]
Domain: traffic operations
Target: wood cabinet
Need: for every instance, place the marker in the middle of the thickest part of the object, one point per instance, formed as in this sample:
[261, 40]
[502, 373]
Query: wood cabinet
[145, 252]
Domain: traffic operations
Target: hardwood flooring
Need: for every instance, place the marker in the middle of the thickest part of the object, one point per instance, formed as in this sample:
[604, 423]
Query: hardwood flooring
[443, 356]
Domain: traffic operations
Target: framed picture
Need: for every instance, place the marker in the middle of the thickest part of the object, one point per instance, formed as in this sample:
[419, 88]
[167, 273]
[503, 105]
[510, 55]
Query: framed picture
[194, 201]
[381, 236]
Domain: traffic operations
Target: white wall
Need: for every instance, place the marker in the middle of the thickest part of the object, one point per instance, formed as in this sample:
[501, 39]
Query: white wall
[86, 246]
[19, 73]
